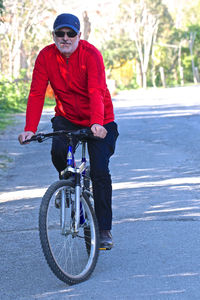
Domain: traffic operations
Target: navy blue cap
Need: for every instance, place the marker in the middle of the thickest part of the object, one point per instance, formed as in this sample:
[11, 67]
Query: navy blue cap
[67, 20]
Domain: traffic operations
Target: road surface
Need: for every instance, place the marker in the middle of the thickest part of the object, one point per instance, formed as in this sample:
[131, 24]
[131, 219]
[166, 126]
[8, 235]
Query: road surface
[156, 200]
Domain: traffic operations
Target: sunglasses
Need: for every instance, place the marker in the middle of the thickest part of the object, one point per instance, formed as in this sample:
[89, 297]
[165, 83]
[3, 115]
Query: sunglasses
[70, 33]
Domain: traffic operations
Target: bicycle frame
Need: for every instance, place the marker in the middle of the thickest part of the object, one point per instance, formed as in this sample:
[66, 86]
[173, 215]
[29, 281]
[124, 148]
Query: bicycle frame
[71, 168]
[68, 226]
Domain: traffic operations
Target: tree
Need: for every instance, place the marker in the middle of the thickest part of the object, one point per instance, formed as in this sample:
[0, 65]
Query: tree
[87, 26]
[146, 27]
[181, 55]
[117, 52]
[22, 21]
[144, 20]
[1, 8]
[191, 46]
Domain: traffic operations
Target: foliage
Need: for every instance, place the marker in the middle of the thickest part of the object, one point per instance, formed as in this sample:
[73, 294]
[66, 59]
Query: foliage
[167, 56]
[22, 33]
[153, 7]
[128, 41]
[118, 57]
[141, 22]
[2, 7]
[14, 95]
[117, 52]
[5, 120]
[125, 75]
[191, 14]
[169, 49]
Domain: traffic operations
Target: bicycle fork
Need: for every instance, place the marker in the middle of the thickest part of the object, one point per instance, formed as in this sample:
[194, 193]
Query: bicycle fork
[77, 201]
[79, 214]
[78, 217]
[63, 211]
[76, 209]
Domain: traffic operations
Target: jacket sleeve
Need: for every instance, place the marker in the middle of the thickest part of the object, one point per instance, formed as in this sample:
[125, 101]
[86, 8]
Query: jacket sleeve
[96, 87]
[37, 94]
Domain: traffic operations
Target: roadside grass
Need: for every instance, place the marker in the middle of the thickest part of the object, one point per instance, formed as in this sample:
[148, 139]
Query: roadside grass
[13, 98]
[5, 120]
[7, 115]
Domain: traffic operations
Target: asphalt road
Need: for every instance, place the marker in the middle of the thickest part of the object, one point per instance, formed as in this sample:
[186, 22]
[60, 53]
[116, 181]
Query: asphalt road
[156, 200]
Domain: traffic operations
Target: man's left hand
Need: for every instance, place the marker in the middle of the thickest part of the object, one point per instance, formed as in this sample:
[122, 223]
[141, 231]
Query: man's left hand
[99, 131]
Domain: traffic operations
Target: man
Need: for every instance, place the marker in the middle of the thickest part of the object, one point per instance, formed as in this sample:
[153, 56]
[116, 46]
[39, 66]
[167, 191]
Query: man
[76, 72]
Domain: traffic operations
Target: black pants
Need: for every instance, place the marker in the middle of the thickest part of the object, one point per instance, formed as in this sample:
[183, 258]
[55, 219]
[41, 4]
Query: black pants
[100, 152]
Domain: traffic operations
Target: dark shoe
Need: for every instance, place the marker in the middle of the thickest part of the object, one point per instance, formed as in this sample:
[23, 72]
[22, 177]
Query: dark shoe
[106, 242]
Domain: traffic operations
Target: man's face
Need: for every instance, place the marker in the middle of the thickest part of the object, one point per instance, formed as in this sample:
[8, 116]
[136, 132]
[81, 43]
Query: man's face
[66, 44]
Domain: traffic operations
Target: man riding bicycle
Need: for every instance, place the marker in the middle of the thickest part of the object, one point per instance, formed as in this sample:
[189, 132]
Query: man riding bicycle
[76, 72]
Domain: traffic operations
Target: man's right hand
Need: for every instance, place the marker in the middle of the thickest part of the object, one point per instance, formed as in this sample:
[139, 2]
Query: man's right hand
[26, 135]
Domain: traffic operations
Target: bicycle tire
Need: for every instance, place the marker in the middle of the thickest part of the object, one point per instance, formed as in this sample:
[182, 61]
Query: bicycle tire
[51, 238]
[87, 179]
[87, 193]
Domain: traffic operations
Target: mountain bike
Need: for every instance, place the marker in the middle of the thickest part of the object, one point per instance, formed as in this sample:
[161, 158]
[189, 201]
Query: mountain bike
[68, 226]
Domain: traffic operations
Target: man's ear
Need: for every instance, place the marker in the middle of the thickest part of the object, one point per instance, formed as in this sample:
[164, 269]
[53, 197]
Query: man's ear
[53, 35]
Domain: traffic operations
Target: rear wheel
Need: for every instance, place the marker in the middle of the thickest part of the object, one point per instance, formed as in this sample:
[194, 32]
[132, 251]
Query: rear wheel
[72, 256]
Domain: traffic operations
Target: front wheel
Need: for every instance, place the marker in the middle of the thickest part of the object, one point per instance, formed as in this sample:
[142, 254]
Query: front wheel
[72, 256]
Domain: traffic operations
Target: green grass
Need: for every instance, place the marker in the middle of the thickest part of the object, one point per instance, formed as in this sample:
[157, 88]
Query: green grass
[13, 99]
[5, 120]
[7, 114]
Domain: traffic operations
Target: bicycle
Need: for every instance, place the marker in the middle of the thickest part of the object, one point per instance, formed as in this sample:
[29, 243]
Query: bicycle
[68, 226]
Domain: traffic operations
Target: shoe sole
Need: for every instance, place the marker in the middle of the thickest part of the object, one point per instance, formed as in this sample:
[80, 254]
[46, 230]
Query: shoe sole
[106, 247]
[103, 249]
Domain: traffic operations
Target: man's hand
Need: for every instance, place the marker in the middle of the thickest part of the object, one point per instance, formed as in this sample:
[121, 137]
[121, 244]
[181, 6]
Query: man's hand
[26, 135]
[98, 130]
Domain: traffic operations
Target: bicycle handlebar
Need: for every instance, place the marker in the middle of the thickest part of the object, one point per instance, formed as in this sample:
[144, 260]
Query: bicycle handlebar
[81, 134]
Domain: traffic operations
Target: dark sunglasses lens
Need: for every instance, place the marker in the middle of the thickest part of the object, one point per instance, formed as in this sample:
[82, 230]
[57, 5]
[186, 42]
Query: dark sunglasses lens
[69, 33]
[59, 33]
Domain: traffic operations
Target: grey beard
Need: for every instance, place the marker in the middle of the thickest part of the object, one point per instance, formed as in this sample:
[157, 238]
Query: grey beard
[60, 48]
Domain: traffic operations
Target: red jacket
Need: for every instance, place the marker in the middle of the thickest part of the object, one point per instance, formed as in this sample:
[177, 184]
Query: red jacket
[79, 86]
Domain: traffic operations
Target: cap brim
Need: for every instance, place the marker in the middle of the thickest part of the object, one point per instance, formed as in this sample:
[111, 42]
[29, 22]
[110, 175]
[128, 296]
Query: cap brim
[66, 25]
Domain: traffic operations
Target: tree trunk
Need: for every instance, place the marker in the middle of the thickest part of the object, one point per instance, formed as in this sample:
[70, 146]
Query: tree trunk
[138, 74]
[180, 66]
[181, 75]
[191, 44]
[144, 80]
[87, 26]
[162, 75]
[197, 74]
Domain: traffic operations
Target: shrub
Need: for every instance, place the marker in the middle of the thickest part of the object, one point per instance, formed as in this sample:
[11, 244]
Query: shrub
[13, 95]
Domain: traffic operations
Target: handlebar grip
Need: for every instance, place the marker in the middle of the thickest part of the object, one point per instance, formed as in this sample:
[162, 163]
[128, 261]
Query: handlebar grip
[34, 138]
[28, 141]
[85, 133]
